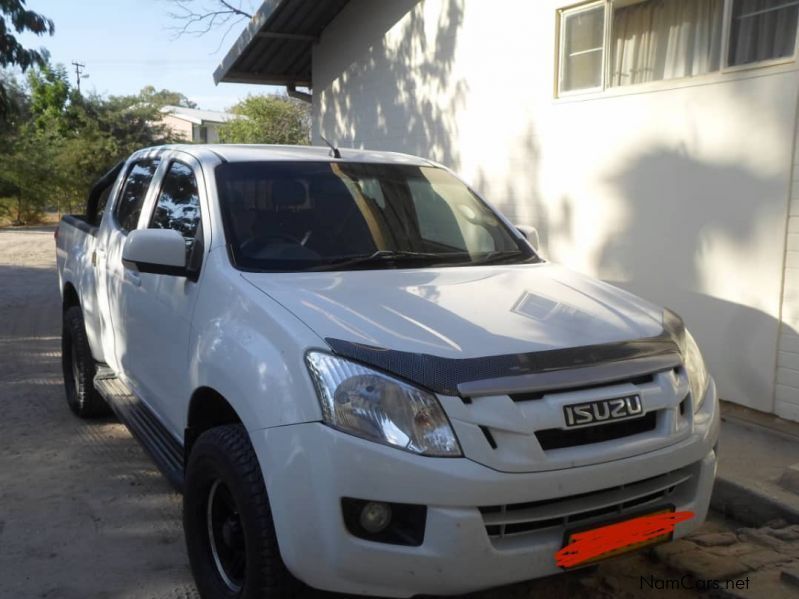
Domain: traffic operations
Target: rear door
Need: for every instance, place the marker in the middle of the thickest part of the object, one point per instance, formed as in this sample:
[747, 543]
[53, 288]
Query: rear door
[93, 294]
[123, 286]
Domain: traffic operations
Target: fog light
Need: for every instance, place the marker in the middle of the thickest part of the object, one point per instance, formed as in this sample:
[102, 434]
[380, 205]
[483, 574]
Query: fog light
[384, 522]
[375, 516]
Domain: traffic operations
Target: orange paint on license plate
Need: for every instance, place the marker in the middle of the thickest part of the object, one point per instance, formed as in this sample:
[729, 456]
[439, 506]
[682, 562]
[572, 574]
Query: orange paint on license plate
[600, 543]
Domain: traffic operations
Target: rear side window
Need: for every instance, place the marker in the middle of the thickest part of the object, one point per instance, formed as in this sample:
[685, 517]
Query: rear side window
[101, 202]
[178, 205]
[131, 198]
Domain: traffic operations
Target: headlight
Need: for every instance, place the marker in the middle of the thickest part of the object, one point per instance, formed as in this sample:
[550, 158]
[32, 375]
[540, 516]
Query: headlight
[695, 367]
[374, 406]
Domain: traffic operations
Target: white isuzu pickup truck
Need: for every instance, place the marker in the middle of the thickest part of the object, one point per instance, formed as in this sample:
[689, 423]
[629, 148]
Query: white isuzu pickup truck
[364, 379]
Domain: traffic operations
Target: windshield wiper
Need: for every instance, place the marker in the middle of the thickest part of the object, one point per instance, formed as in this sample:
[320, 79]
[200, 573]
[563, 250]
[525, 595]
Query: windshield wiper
[381, 256]
[499, 257]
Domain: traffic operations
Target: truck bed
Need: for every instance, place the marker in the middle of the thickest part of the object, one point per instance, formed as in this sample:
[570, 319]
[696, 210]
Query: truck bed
[76, 241]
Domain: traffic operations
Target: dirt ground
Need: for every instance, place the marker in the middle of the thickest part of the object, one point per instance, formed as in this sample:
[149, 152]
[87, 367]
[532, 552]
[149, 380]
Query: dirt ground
[83, 511]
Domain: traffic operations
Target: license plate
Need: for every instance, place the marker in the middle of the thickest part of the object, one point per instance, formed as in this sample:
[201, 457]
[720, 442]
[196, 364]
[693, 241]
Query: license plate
[581, 546]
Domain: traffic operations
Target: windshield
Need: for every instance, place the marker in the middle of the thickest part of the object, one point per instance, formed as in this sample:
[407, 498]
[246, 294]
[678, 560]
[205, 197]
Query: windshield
[300, 216]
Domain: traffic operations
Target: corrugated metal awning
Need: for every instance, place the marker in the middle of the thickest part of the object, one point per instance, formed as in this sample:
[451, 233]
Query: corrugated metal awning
[275, 49]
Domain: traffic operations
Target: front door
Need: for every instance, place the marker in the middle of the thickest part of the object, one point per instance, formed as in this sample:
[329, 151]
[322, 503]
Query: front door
[166, 303]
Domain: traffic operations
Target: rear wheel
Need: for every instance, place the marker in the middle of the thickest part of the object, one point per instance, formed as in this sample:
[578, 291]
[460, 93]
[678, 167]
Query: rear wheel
[79, 367]
[230, 536]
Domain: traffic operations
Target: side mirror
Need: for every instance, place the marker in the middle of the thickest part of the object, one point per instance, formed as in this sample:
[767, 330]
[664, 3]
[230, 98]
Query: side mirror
[156, 251]
[531, 235]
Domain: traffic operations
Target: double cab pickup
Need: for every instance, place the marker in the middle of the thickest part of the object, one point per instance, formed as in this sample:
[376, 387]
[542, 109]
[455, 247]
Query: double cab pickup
[364, 379]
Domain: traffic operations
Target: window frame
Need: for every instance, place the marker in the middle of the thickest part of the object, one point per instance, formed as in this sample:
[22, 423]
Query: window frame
[609, 6]
[563, 14]
[155, 178]
[203, 234]
[726, 32]
[162, 180]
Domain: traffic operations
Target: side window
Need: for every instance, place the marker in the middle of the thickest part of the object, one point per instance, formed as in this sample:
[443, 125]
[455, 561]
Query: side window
[131, 198]
[101, 202]
[178, 205]
[615, 43]
[762, 30]
[657, 41]
[582, 51]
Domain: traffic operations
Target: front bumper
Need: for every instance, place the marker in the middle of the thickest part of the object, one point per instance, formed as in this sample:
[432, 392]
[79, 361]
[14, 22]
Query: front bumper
[309, 467]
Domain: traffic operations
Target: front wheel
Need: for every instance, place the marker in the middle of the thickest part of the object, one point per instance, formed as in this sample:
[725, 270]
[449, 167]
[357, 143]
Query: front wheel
[230, 536]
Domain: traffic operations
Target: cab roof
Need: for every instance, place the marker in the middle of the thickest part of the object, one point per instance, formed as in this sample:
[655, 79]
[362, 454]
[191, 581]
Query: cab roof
[252, 153]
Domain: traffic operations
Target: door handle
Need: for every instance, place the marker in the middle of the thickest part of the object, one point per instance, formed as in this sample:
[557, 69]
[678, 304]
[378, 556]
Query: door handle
[98, 257]
[133, 277]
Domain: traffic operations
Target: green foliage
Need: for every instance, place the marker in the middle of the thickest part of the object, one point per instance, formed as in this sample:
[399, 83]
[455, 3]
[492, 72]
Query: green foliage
[14, 103]
[25, 172]
[63, 142]
[49, 92]
[16, 18]
[268, 120]
[165, 97]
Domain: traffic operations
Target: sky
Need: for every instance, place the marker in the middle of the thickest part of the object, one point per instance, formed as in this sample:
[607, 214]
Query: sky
[128, 44]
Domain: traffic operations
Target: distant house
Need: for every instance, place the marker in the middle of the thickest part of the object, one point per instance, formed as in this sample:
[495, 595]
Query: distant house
[653, 143]
[191, 124]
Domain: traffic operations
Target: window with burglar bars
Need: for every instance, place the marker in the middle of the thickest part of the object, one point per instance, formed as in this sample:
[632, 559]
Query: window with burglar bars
[614, 43]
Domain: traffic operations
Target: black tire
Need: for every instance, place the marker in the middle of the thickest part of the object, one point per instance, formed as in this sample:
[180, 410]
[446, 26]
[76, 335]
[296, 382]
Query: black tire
[79, 368]
[227, 521]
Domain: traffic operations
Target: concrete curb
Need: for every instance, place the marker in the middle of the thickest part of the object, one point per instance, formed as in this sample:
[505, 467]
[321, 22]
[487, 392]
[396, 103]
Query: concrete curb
[753, 506]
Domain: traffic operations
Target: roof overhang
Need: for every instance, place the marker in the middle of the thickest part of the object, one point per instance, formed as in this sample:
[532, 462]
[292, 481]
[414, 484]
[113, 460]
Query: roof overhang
[275, 48]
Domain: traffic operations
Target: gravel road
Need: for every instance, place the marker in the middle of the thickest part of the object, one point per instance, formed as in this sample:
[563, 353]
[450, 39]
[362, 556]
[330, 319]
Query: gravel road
[83, 511]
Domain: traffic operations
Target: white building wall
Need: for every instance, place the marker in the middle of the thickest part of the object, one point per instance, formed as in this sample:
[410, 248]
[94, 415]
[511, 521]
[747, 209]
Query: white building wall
[178, 127]
[213, 133]
[787, 380]
[677, 191]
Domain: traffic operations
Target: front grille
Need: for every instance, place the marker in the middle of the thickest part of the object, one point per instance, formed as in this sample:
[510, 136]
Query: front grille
[508, 430]
[514, 519]
[556, 438]
[533, 396]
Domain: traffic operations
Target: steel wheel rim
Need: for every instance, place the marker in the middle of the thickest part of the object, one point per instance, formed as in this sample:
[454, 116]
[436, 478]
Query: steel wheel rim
[226, 536]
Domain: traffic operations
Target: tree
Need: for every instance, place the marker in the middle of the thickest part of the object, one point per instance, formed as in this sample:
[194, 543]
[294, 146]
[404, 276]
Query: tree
[14, 103]
[199, 17]
[26, 174]
[164, 97]
[268, 119]
[14, 15]
[16, 18]
[64, 141]
[96, 134]
[49, 92]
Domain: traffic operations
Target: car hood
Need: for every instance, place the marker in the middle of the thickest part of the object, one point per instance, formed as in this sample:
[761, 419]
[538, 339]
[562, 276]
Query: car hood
[463, 312]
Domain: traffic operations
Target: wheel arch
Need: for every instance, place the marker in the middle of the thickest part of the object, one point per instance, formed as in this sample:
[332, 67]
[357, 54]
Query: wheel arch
[207, 409]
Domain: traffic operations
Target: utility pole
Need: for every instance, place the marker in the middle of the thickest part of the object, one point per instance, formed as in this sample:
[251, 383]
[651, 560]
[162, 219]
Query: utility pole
[78, 71]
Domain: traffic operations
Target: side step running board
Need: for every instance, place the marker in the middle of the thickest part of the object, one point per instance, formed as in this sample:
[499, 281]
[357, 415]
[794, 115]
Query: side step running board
[166, 451]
